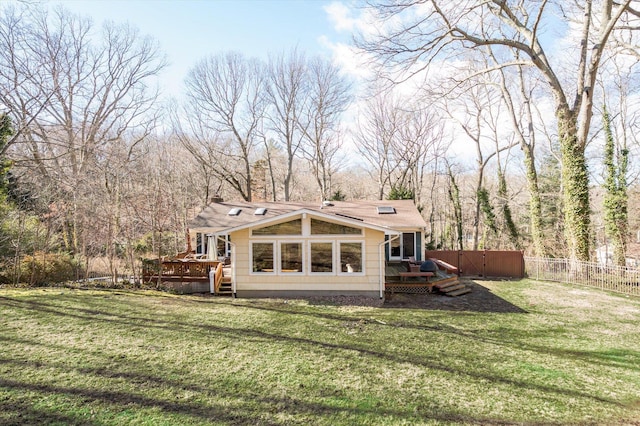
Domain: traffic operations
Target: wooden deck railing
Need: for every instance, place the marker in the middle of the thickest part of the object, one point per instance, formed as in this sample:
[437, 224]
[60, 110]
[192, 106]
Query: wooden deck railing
[178, 270]
[217, 278]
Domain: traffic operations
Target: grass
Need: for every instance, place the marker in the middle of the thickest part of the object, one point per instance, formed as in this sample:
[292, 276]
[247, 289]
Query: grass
[572, 356]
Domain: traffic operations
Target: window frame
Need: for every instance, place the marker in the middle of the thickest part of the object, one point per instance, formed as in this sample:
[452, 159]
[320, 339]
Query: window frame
[302, 257]
[274, 250]
[362, 271]
[278, 236]
[325, 235]
[333, 256]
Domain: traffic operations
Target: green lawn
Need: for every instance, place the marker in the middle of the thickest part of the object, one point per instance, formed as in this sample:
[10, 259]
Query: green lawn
[572, 356]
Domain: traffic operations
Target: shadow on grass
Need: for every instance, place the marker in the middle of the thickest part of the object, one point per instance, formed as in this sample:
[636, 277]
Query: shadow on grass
[480, 299]
[377, 353]
[247, 407]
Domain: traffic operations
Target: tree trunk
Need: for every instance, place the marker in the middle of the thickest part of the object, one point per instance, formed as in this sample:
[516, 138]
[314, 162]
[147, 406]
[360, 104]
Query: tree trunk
[535, 202]
[575, 187]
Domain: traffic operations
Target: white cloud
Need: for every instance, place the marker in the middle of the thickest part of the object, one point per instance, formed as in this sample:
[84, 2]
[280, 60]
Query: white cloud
[348, 58]
[340, 15]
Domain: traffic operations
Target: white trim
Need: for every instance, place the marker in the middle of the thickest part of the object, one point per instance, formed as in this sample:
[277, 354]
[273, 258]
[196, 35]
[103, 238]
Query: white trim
[360, 228]
[302, 257]
[334, 261]
[275, 253]
[383, 258]
[302, 212]
[363, 259]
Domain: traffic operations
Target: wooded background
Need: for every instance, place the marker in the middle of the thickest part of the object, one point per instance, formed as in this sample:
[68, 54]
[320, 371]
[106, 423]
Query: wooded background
[504, 136]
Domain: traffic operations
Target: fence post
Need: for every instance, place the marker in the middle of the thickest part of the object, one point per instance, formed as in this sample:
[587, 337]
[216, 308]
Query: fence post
[484, 263]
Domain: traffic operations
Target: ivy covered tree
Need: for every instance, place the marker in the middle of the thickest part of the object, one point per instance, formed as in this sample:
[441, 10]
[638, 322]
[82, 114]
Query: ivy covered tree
[615, 198]
[421, 35]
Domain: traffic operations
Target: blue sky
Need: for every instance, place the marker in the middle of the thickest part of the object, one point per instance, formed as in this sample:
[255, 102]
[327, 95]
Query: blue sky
[189, 30]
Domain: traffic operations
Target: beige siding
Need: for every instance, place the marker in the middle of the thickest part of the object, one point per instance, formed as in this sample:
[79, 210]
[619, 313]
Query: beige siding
[368, 281]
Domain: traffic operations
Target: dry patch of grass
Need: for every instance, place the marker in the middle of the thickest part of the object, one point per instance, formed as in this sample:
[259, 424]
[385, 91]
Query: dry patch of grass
[568, 356]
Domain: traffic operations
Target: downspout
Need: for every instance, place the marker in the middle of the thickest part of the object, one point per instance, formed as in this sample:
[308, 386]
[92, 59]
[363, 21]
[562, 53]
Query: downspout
[233, 267]
[382, 262]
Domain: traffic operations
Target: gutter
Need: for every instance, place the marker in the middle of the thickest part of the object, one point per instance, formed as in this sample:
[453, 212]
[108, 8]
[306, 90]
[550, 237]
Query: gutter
[233, 266]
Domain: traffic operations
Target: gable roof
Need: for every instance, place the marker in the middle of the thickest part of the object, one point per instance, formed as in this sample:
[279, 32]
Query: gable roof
[216, 215]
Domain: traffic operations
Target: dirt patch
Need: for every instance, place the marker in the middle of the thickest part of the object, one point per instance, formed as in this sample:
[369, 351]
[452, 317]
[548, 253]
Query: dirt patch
[480, 299]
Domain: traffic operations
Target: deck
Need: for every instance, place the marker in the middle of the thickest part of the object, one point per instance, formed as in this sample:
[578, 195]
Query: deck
[196, 272]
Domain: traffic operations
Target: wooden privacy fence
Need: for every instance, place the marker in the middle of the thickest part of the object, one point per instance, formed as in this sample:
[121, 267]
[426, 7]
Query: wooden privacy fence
[483, 263]
[620, 279]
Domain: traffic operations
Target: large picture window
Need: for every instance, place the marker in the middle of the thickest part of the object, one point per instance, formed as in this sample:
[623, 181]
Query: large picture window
[262, 254]
[320, 227]
[290, 257]
[350, 257]
[321, 257]
[293, 227]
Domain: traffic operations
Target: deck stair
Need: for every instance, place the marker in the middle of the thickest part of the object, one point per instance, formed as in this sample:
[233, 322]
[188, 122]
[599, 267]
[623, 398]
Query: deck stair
[226, 288]
[446, 280]
[452, 287]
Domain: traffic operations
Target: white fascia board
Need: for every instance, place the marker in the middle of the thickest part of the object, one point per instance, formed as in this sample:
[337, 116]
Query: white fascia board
[301, 212]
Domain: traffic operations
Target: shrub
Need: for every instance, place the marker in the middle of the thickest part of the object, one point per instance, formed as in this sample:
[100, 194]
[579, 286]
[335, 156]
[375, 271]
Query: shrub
[47, 268]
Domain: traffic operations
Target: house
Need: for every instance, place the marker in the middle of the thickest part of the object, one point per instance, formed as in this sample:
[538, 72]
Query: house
[305, 249]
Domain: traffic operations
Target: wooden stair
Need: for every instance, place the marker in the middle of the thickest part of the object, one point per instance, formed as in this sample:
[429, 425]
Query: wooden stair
[452, 287]
[225, 288]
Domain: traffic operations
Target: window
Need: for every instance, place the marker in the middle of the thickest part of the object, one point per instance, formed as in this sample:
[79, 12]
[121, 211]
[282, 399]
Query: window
[260, 211]
[234, 211]
[408, 244]
[320, 227]
[262, 256]
[350, 257]
[201, 243]
[395, 247]
[293, 227]
[290, 257]
[321, 257]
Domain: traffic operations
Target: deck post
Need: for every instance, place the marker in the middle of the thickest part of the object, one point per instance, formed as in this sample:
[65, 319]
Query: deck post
[212, 278]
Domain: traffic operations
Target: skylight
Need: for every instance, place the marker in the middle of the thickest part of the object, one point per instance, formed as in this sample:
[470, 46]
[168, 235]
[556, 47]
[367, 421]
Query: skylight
[260, 211]
[234, 211]
[386, 210]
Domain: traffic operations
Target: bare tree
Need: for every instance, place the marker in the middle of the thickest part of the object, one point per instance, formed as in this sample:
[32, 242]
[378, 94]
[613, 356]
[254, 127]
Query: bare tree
[475, 109]
[223, 112]
[287, 90]
[425, 32]
[329, 96]
[100, 86]
[375, 136]
[419, 144]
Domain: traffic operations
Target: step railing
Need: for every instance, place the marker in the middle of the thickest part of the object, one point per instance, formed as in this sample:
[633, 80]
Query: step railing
[217, 278]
